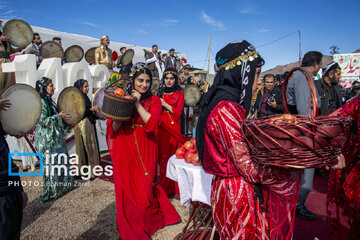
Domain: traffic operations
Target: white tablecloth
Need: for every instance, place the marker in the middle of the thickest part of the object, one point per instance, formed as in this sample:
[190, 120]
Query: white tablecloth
[194, 183]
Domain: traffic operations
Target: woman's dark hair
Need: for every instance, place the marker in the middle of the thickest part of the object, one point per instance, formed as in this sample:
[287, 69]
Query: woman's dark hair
[311, 58]
[138, 73]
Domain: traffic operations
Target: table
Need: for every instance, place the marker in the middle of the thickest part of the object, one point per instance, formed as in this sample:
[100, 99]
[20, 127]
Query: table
[195, 188]
[194, 183]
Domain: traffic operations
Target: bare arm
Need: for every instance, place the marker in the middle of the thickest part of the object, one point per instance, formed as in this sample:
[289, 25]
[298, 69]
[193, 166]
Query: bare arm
[166, 105]
[145, 115]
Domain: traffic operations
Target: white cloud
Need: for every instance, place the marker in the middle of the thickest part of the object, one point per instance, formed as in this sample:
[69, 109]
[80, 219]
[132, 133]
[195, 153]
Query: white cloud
[211, 21]
[263, 30]
[8, 12]
[168, 22]
[89, 24]
[140, 31]
[247, 11]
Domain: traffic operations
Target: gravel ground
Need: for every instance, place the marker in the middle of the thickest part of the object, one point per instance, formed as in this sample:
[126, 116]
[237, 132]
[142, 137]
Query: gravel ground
[87, 212]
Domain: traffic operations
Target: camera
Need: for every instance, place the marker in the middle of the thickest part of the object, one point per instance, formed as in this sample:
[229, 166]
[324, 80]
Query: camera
[271, 99]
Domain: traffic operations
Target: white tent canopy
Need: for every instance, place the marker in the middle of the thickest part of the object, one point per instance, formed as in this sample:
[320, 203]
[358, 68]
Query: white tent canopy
[86, 42]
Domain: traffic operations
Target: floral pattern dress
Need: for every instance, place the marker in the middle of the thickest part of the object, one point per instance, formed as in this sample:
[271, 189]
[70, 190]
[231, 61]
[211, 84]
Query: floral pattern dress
[49, 138]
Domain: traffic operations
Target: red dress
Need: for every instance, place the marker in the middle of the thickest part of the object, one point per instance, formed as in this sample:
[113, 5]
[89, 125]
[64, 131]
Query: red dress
[237, 215]
[167, 143]
[141, 206]
[343, 200]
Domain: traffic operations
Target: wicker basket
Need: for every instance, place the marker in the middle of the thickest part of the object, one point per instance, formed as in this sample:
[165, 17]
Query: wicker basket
[294, 140]
[117, 108]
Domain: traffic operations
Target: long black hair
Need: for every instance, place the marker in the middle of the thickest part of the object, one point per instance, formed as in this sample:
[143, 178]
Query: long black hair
[41, 86]
[138, 69]
[163, 88]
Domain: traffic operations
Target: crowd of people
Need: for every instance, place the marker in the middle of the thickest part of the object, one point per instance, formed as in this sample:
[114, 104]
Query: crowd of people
[249, 200]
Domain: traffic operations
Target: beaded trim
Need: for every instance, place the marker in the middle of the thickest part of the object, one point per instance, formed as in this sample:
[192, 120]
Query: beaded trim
[171, 72]
[133, 72]
[237, 61]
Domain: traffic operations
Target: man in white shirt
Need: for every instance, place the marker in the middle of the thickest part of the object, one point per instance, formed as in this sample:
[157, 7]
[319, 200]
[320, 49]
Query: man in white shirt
[154, 62]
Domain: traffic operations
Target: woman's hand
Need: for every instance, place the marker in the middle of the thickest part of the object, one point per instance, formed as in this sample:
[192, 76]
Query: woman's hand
[95, 109]
[341, 163]
[64, 116]
[5, 38]
[5, 104]
[116, 126]
[137, 95]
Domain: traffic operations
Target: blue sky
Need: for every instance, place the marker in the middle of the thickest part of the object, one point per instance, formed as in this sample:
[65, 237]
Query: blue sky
[186, 25]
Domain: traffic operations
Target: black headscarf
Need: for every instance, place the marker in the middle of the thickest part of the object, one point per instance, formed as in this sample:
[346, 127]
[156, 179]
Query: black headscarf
[163, 88]
[41, 86]
[79, 84]
[137, 69]
[188, 82]
[237, 62]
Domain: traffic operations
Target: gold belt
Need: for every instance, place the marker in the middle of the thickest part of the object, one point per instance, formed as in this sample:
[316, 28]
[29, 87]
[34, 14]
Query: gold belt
[134, 125]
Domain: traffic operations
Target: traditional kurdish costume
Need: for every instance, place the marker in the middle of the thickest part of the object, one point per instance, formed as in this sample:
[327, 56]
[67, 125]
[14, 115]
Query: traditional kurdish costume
[167, 143]
[142, 206]
[49, 138]
[249, 200]
[87, 147]
[343, 200]
[6, 78]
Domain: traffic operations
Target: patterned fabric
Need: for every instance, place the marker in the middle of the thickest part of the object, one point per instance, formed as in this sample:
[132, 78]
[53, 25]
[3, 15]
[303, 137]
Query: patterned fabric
[237, 214]
[343, 209]
[50, 139]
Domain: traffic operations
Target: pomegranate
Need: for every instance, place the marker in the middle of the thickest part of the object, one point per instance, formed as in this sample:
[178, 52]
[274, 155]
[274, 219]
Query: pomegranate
[188, 157]
[188, 145]
[180, 153]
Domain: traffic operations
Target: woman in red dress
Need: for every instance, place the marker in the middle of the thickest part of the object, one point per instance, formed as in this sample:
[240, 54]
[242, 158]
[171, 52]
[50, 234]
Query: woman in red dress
[343, 200]
[172, 100]
[249, 200]
[142, 206]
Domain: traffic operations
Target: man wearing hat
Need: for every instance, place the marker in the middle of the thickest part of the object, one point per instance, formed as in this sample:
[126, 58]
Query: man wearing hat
[184, 76]
[329, 88]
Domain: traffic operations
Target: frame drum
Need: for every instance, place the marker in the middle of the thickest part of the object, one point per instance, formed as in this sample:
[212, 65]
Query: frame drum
[90, 55]
[25, 109]
[74, 53]
[127, 57]
[71, 100]
[192, 95]
[155, 85]
[51, 49]
[98, 100]
[20, 32]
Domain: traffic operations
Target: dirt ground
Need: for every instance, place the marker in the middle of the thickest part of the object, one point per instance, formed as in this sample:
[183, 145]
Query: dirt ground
[87, 212]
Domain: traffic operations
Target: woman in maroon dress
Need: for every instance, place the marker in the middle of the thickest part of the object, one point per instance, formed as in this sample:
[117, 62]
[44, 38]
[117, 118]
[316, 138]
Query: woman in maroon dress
[142, 206]
[249, 200]
[343, 200]
[172, 100]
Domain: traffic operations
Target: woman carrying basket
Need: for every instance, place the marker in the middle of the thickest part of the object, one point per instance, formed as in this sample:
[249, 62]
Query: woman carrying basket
[249, 200]
[172, 100]
[142, 206]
